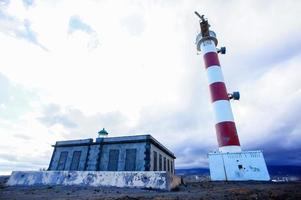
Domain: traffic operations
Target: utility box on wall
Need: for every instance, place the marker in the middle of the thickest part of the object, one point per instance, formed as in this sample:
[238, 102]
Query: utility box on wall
[240, 166]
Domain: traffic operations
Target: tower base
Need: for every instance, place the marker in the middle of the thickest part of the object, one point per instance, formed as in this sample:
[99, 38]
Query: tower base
[240, 166]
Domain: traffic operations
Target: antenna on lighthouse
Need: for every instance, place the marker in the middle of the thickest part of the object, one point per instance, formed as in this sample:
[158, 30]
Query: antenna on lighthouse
[200, 16]
[206, 34]
[204, 25]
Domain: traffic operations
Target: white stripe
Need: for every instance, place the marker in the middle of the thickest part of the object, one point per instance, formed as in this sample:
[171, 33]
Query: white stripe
[222, 111]
[208, 46]
[214, 74]
[230, 149]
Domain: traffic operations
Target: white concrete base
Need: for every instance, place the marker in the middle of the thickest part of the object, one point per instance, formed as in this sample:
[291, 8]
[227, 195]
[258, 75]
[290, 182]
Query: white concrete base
[133, 179]
[240, 166]
[230, 149]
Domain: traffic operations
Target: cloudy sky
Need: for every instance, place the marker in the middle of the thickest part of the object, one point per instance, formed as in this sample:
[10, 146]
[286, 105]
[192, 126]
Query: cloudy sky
[70, 68]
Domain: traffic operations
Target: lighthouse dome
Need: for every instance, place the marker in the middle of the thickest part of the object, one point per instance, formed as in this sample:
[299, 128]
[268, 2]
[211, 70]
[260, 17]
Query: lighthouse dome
[102, 133]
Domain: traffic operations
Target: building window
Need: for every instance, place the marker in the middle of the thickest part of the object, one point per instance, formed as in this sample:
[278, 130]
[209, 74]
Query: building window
[113, 160]
[168, 169]
[75, 160]
[130, 160]
[160, 162]
[171, 166]
[164, 164]
[62, 160]
[155, 161]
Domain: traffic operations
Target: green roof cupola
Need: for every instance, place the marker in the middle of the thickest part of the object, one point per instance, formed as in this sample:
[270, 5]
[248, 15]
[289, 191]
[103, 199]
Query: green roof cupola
[103, 133]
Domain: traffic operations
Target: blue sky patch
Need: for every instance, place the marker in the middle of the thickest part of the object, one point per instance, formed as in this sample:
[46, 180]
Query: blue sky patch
[28, 3]
[76, 24]
[19, 29]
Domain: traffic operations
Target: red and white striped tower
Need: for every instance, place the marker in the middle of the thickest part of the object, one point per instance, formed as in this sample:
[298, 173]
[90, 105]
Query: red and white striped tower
[225, 126]
[230, 163]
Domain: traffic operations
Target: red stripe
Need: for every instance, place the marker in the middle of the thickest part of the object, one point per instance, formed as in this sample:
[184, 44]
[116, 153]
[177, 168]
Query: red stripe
[210, 59]
[226, 134]
[218, 91]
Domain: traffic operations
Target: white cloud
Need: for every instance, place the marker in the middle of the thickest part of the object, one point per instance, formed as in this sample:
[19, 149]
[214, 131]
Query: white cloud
[269, 100]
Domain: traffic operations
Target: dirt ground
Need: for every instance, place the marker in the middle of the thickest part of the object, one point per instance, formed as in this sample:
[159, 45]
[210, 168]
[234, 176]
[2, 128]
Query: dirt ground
[199, 190]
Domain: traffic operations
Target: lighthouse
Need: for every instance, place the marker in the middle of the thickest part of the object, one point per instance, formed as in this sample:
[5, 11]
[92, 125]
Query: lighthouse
[229, 163]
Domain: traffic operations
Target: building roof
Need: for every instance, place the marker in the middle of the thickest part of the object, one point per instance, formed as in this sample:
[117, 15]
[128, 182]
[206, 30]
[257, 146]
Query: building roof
[116, 140]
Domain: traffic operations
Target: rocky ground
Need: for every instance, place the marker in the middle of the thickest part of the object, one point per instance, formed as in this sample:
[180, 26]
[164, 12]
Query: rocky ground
[194, 190]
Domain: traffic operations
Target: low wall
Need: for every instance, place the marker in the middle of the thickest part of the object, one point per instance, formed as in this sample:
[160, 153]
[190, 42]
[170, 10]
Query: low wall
[150, 179]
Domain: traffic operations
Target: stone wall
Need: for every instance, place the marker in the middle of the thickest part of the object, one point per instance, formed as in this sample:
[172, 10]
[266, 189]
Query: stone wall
[70, 150]
[139, 162]
[164, 155]
[93, 158]
[129, 153]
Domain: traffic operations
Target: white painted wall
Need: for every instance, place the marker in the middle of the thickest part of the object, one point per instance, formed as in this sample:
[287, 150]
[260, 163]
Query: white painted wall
[241, 166]
[155, 180]
[216, 165]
